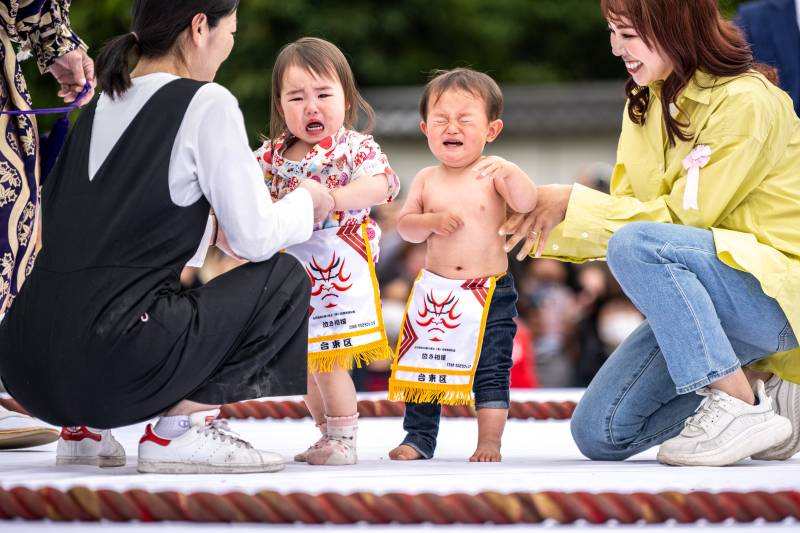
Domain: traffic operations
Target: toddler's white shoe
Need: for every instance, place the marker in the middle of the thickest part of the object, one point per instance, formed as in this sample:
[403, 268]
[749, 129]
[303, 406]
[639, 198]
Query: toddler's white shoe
[302, 457]
[338, 447]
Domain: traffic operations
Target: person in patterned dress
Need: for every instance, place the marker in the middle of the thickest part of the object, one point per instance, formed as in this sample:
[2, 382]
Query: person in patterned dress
[315, 107]
[41, 28]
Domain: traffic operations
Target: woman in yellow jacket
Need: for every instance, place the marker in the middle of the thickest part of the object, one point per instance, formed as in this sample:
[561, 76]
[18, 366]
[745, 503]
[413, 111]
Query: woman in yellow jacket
[702, 231]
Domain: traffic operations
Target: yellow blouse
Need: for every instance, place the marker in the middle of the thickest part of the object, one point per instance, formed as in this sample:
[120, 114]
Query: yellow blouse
[748, 194]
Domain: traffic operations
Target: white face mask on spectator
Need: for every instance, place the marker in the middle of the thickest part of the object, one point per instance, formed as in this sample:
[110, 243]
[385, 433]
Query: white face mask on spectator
[393, 313]
[617, 326]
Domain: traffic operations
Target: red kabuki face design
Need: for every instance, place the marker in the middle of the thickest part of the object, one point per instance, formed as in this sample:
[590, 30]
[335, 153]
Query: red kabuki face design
[327, 282]
[438, 315]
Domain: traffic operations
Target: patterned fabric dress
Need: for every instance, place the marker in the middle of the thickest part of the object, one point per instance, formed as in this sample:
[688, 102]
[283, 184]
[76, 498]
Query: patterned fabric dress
[43, 27]
[335, 161]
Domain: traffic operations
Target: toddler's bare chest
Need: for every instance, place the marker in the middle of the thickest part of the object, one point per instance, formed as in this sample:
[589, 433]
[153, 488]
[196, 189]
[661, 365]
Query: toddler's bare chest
[466, 197]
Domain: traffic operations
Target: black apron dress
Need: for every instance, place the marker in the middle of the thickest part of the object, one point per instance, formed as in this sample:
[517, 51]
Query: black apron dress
[102, 334]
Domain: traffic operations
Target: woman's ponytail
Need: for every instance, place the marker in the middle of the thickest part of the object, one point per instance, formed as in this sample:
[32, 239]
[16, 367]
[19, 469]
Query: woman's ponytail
[113, 64]
[157, 25]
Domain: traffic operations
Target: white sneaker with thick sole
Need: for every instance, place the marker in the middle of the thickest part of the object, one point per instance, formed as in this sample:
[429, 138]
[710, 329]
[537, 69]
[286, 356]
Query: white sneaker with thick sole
[208, 447]
[785, 397]
[22, 431]
[80, 445]
[724, 430]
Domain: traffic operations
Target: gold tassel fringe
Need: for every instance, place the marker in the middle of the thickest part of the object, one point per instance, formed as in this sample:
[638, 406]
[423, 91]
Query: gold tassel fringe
[431, 393]
[345, 357]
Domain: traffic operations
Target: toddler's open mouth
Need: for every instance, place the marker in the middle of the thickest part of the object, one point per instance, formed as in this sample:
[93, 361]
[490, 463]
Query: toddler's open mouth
[315, 127]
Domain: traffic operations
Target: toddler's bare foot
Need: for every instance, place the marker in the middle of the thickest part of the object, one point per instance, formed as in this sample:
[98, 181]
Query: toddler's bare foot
[487, 452]
[490, 430]
[404, 452]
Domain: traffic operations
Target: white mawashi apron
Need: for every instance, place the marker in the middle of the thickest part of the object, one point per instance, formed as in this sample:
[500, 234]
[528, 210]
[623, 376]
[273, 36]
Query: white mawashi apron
[345, 323]
[440, 342]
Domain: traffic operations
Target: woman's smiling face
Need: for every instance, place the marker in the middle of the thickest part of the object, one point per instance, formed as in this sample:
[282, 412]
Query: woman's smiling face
[644, 64]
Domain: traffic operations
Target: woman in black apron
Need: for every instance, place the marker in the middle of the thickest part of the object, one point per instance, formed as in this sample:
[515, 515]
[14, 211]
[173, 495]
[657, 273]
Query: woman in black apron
[101, 334]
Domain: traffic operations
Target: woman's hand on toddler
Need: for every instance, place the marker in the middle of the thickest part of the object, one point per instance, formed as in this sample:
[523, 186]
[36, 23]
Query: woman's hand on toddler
[445, 223]
[321, 197]
[535, 227]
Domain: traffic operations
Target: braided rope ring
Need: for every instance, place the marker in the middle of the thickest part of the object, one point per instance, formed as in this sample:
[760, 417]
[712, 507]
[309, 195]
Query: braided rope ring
[269, 507]
[293, 409]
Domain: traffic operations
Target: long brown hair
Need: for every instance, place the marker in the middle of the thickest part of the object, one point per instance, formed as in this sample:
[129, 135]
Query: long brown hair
[321, 58]
[694, 36]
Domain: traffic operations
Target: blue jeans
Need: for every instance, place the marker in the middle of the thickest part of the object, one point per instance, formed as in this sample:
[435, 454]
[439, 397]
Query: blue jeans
[704, 321]
[491, 384]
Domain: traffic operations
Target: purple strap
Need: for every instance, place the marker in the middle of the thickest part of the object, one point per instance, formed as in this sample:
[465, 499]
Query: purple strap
[52, 110]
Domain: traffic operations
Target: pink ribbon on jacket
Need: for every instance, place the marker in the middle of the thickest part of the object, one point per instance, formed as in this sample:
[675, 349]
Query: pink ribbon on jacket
[697, 159]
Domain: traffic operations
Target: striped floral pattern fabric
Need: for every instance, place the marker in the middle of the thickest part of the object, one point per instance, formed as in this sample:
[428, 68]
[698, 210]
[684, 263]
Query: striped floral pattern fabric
[41, 26]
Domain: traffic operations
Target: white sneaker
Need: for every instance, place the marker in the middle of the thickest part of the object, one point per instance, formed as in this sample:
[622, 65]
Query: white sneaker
[725, 430]
[81, 446]
[22, 431]
[786, 402]
[208, 447]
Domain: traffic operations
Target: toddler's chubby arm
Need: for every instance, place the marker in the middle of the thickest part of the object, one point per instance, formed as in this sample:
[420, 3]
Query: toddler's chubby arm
[516, 188]
[414, 224]
[373, 181]
[361, 194]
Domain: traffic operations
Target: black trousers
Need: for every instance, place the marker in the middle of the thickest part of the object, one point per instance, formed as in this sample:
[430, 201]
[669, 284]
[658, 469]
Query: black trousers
[269, 357]
[242, 336]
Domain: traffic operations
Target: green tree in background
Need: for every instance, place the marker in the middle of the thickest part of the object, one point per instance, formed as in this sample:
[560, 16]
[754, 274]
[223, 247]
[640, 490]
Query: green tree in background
[516, 41]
